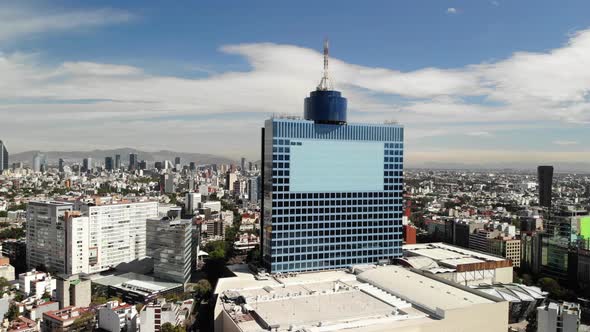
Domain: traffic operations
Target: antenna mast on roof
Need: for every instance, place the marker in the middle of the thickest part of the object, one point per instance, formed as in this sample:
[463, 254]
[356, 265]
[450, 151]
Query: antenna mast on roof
[325, 83]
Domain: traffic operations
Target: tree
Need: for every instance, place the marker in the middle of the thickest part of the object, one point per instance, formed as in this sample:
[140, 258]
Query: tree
[532, 321]
[231, 233]
[12, 313]
[98, 300]
[203, 288]
[168, 327]
[253, 256]
[552, 286]
[173, 199]
[4, 285]
[21, 206]
[12, 233]
[4, 282]
[172, 297]
[527, 279]
[217, 250]
[84, 323]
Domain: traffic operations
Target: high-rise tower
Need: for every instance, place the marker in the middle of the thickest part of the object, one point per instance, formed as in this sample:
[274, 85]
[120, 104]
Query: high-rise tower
[118, 161]
[39, 162]
[87, 164]
[332, 190]
[133, 162]
[545, 174]
[108, 163]
[3, 157]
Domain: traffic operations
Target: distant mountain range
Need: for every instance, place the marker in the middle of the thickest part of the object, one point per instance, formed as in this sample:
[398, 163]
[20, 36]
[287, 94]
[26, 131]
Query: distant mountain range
[203, 159]
[99, 155]
[510, 167]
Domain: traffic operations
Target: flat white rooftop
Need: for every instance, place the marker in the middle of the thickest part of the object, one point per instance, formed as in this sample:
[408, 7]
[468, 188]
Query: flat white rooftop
[137, 282]
[446, 253]
[421, 290]
[376, 299]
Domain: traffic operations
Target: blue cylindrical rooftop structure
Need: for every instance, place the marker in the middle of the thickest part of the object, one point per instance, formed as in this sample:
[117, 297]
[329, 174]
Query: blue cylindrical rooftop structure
[325, 106]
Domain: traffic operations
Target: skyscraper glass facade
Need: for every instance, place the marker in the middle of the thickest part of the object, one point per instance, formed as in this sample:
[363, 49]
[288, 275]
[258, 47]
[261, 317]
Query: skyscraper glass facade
[3, 157]
[545, 175]
[332, 194]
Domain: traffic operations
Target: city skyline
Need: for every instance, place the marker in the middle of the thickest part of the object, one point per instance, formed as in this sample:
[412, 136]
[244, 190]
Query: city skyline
[472, 100]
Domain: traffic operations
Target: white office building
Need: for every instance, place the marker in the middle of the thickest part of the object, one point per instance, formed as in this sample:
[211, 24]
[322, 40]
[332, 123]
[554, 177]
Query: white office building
[154, 315]
[556, 317]
[215, 206]
[94, 239]
[117, 233]
[204, 190]
[116, 316]
[36, 284]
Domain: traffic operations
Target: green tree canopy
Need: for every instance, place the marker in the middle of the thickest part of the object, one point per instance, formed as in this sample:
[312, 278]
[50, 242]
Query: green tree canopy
[203, 288]
[217, 250]
[167, 327]
[12, 313]
[84, 323]
[552, 286]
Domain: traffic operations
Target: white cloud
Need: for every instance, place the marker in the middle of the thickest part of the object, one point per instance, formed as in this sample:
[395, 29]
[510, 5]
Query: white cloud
[16, 22]
[452, 10]
[559, 142]
[98, 69]
[90, 104]
[495, 3]
[479, 134]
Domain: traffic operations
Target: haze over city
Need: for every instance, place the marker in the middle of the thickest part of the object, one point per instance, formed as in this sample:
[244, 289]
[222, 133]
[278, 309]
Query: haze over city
[477, 83]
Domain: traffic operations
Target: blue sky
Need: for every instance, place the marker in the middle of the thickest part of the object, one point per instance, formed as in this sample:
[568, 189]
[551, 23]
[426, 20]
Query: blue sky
[473, 81]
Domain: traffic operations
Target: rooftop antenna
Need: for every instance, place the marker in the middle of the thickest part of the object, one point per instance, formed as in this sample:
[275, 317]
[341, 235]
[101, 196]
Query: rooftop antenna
[325, 83]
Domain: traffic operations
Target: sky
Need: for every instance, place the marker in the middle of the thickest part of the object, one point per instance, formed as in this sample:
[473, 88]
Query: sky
[472, 81]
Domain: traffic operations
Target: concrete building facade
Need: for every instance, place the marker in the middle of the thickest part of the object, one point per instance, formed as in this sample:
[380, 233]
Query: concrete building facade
[36, 283]
[61, 320]
[73, 291]
[169, 243]
[156, 314]
[116, 317]
[117, 233]
[193, 202]
[558, 317]
[46, 242]
[507, 248]
[94, 239]
[6, 270]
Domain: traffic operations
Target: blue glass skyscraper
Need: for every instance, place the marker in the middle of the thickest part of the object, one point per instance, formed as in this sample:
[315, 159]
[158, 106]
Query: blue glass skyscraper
[3, 157]
[332, 190]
